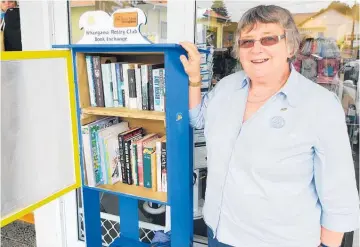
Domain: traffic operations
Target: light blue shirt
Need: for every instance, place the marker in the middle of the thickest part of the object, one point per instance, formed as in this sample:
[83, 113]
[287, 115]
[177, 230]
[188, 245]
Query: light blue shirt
[274, 180]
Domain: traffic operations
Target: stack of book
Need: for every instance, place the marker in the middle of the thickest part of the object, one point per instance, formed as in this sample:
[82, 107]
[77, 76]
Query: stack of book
[116, 153]
[131, 85]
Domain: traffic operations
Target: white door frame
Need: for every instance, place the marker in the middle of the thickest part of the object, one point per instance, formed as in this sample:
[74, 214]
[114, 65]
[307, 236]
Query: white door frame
[43, 24]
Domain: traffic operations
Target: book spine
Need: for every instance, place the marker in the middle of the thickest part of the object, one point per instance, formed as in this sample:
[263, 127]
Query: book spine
[125, 68]
[163, 167]
[147, 168]
[114, 85]
[138, 89]
[102, 159]
[122, 159]
[156, 85]
[90, 74]
[123, 138]
[85, 132]
[108, 165]
[140, 163]
[123, 97]
[129, 149]
[153, 172]
[95, 152]
[162, 90]
[151, 88]
[107, 85]
[158, 165]
[99, 90]
[120, 84]
[95, 160]
[128, 162]
[144, 87]
[116, 174]
[134, 163]
[138, 135]
[132, 89]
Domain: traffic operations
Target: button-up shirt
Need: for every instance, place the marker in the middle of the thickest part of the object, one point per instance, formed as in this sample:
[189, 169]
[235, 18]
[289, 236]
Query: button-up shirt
[275, 179]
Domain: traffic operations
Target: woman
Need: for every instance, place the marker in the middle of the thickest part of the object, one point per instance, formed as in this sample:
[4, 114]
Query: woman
[280, 168]
[5, 5]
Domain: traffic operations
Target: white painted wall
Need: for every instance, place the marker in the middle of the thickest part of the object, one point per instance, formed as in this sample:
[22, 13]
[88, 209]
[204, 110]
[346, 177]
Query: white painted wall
[44, 23]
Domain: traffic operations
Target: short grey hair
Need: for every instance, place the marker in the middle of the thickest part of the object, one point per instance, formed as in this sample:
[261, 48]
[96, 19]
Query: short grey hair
[269, 14]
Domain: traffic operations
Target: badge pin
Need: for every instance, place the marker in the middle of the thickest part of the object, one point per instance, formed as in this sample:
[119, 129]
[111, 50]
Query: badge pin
[277, 122]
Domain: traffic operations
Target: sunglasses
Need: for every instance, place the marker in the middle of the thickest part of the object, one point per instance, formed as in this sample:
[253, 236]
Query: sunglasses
[265, 41]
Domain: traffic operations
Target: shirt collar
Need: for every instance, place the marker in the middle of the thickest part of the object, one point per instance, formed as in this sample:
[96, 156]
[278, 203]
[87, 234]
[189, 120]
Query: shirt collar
[289, 90]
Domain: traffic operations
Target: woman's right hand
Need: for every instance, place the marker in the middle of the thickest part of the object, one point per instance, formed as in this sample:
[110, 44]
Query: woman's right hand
[191, 65]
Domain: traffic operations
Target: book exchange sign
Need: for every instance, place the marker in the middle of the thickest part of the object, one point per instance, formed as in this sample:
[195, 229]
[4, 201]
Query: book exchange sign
[122, 27]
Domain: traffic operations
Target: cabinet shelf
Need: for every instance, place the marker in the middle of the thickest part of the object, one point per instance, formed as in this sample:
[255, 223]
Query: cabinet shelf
[133, 190]
[124, 112]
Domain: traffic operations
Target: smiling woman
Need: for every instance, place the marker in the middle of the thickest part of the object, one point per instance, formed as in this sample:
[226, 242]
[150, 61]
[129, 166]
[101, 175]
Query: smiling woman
[294, 177]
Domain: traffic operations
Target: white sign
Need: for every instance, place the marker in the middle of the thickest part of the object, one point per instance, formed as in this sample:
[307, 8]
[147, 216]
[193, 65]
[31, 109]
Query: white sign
[122, 27]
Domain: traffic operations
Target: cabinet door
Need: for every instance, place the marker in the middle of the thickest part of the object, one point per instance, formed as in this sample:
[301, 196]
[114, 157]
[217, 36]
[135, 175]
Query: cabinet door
[39, 134]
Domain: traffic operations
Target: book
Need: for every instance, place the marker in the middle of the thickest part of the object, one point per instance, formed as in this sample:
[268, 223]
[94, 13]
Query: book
[128, 157]
[90, 75]
[112, 159]
[156, 89]
[91, 148]
[149, 159]
[107, 84]
[140, 162]
[144, 87]
[132, 88]
[162, 90]
[102, 137]
[159, 162]
[152, 67]
[129, 84]
[138, 88]
[163, 166]
[125, 164]
[114, 81]
[134, 163]
[98, 83]
[122, 84]
[154, 177]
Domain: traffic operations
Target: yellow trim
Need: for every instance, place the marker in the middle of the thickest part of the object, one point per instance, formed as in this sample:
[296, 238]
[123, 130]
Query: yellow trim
[22, 55]
[74, 120]
[29, 209]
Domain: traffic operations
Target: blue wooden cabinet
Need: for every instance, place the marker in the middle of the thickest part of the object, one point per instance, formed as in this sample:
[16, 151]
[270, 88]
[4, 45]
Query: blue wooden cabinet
[174, 123]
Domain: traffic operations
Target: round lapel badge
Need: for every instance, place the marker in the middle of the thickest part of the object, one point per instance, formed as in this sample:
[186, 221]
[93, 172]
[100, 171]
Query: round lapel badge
[277, 122]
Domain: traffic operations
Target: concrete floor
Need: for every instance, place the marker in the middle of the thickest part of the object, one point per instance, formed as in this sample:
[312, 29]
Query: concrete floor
[18, 234]
[22, 234]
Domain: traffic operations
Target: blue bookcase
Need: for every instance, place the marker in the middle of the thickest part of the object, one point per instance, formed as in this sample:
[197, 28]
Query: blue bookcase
[174, 122]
